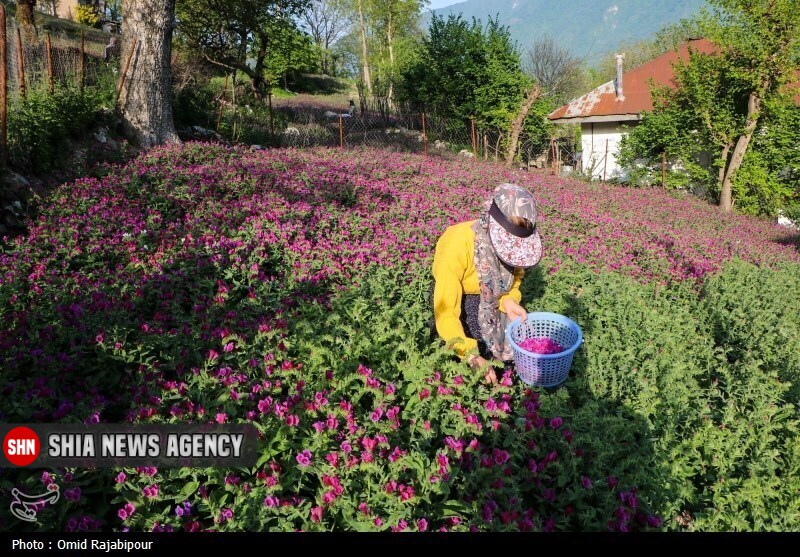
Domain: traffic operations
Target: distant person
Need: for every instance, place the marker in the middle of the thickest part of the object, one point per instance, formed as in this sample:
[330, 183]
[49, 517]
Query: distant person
[111, 48]
[352, 110]
[477, 269]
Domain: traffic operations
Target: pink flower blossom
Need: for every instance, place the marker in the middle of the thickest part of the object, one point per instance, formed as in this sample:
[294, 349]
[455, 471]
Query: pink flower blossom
[304, 458]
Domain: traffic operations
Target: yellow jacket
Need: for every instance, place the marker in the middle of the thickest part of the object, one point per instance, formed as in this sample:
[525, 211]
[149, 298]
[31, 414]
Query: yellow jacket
[455, 275]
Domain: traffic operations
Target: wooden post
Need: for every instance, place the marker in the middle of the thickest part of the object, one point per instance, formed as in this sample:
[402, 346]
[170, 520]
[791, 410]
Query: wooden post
[424, 136]
[553, 153]
[485, 146]
[127, 65]
[3, 87]
[341, 132]
[221, 100]
[81, 63]
[664, 169]
[49, 47]
[20, 65]
[474, 137]
[605, 162]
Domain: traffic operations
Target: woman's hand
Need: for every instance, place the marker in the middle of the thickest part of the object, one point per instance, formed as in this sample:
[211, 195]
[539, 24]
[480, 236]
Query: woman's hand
[514, 310]
[479, 363]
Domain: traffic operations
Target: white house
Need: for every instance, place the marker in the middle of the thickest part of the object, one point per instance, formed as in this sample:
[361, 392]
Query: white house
[604, 111]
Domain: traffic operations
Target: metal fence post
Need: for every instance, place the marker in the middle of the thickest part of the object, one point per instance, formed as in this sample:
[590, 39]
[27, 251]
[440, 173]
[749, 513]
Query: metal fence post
[341, 132]
[3, 87]
[474, 137]
[424, 136]
[20, 65]
[81, 62]
[49, 47]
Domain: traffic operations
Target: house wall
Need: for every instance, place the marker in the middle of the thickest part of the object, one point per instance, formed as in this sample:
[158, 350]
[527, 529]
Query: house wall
[600, 144]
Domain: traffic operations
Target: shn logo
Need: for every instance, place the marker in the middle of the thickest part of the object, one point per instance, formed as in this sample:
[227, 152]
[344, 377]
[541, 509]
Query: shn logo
[21, 446]
[26, 507]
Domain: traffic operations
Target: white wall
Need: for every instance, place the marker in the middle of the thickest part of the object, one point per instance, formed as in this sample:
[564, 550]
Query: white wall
[598, 139]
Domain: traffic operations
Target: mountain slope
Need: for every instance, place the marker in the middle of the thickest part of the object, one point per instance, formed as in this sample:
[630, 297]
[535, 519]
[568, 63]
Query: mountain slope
[588, 28]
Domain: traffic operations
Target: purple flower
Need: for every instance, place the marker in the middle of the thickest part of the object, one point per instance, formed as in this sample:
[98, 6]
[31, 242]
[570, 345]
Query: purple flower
[72, 494]
[586, 482]
[150, 491]
[225, 515]
[304, 458]
[556, 422]
[122, 514]
[121, 477]
[422, 525]
[500, 456]
[654, 521]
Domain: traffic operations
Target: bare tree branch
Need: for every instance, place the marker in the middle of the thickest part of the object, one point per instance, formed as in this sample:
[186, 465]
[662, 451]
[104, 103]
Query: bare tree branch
[555, 69]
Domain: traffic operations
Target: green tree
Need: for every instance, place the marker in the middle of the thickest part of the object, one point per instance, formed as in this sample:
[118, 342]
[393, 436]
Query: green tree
[761, 41]
[395, 20]
[462, 69]
[729, 104]
[701, 116]
[237, 35]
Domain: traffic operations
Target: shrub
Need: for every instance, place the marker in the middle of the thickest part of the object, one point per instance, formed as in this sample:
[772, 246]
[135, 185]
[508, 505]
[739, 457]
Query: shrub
[40, 124]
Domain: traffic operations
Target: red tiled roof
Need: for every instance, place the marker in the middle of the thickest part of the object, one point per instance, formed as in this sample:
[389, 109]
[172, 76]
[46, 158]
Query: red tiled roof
[603, 101]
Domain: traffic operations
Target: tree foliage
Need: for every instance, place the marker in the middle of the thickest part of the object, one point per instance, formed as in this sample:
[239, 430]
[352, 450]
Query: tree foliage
[246, 35]
[729, 123]
[464, 69]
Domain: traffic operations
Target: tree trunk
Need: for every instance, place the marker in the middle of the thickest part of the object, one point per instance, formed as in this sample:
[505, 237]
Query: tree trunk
[25, 19]
[367, 77]
[146, 101]
[391, 62]
[257, 78]
[753, 110]
[516, 126]
[724, 156]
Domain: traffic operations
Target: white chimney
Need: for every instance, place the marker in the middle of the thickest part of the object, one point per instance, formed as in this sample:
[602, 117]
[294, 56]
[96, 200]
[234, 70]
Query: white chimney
[618, 81]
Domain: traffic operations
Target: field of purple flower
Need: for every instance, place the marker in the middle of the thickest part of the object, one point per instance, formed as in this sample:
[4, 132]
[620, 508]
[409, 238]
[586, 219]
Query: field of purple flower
[288, 289]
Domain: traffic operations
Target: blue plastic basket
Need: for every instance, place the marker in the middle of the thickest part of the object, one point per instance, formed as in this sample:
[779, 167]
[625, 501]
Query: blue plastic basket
[544, 370]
